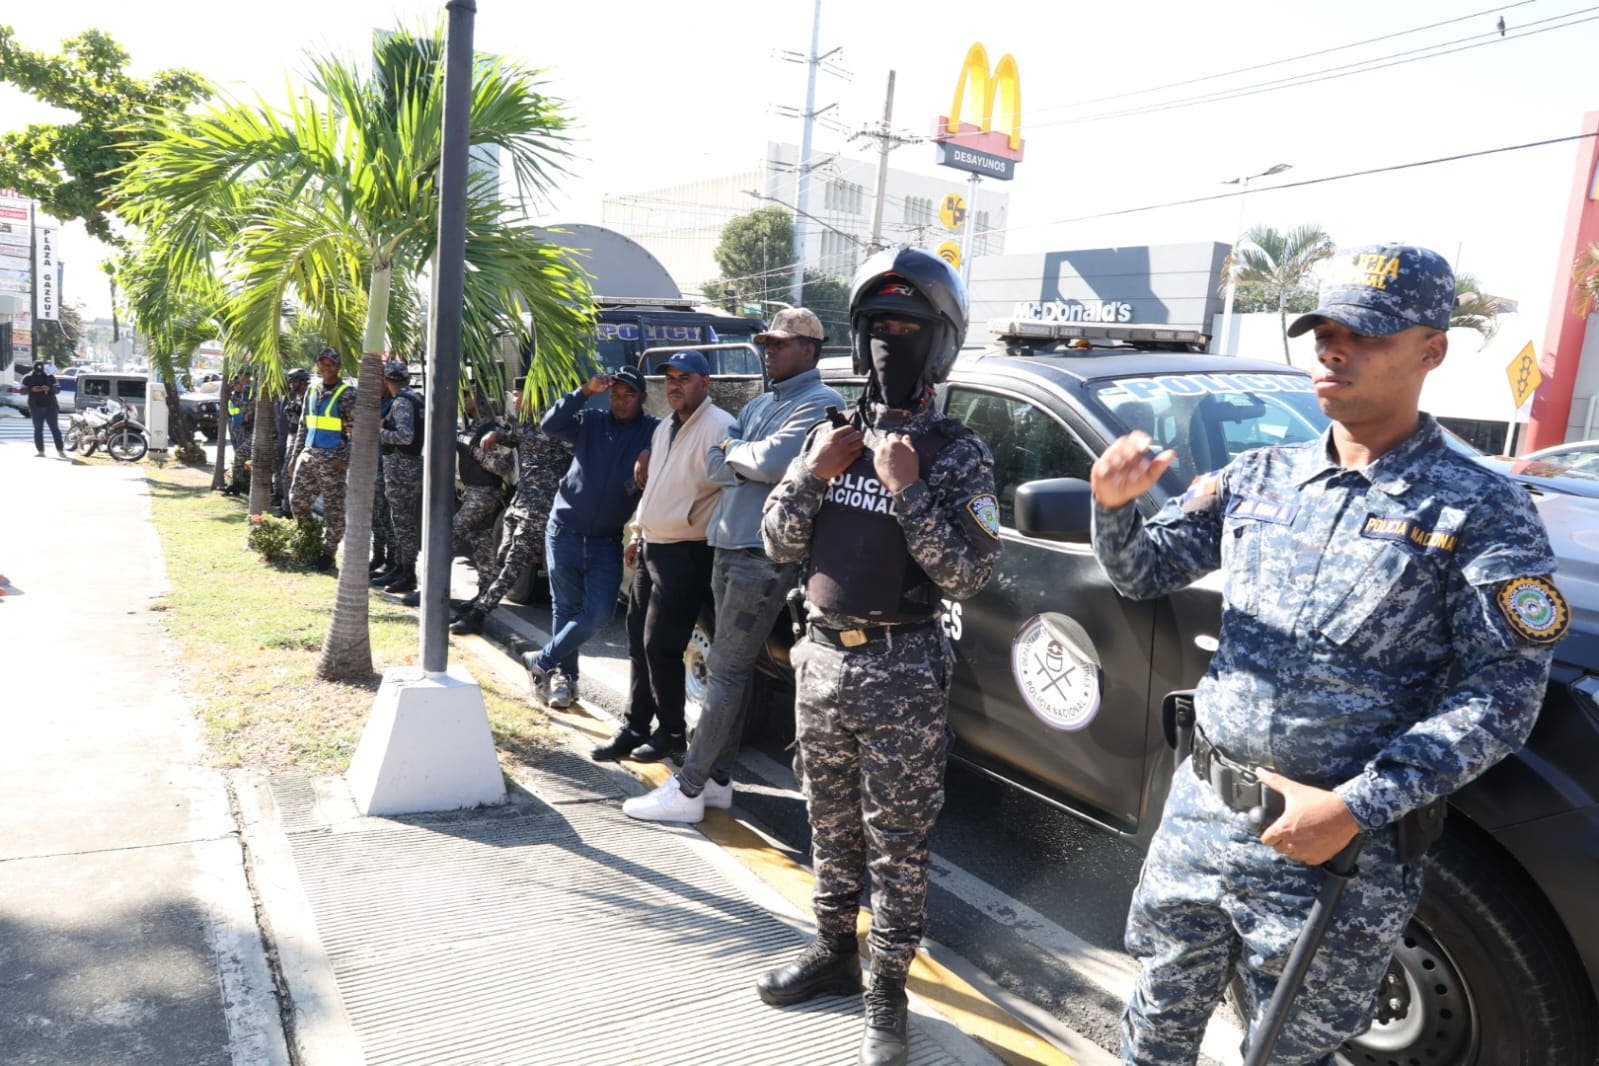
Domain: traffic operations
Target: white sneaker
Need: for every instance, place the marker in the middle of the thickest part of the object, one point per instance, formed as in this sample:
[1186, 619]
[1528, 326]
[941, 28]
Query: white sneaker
[716, 795]
[666, 804]
[562, 690]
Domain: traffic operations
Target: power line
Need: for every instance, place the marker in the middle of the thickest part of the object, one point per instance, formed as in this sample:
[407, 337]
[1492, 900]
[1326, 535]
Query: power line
[1332, 73]
[1313, 181]
[1289, 59]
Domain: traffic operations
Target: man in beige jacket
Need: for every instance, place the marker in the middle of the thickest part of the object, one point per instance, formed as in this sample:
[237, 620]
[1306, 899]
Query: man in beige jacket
[671, 562]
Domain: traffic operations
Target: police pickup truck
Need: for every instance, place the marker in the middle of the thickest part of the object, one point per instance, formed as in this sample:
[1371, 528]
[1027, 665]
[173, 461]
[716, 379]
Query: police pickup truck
[1067, 690]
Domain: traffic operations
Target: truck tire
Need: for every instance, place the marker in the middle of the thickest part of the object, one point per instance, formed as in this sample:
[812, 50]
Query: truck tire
[1485, 974]
[696, 658]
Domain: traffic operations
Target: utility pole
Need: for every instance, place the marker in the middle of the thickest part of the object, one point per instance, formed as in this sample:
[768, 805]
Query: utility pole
[796, 284]
[887, 140]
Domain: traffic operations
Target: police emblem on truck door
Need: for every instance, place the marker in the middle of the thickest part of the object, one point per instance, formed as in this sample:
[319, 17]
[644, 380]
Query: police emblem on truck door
[1057, 671]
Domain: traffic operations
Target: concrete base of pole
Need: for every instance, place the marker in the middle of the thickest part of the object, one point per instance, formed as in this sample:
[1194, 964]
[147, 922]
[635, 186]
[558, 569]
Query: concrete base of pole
[426, 747]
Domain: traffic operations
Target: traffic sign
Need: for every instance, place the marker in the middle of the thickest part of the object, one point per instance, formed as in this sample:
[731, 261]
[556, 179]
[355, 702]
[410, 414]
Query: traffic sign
[1524, 374]
[950, 252]
[952, 212]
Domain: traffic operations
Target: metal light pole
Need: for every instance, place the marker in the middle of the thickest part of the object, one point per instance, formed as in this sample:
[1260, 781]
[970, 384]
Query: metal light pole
[796, 284]
[444, 365]
[1238, 232]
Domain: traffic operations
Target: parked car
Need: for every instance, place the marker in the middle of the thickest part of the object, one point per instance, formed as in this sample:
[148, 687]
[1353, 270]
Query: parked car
[1499, 965]
[94, 388]
[13, 395]
[201, 405]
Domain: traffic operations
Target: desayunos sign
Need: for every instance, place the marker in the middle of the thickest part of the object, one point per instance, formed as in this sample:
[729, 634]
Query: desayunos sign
[978, 147]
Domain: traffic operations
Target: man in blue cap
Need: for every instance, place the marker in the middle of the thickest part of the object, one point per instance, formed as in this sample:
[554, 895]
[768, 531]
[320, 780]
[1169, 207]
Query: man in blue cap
[671, 562]
[583, 540]
[1388, 622]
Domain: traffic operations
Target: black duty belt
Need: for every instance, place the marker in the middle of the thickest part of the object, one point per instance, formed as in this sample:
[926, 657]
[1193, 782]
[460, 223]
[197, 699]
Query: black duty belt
[1235, 782]
[850, 639]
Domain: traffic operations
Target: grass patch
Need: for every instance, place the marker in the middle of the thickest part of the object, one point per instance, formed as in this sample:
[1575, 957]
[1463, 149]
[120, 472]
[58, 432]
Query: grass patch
[248, 637]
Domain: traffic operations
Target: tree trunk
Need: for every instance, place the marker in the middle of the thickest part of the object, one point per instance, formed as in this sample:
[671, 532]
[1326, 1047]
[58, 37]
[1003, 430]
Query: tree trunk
[263, 453]
[223, 425]
[180, 430]
[347, 650]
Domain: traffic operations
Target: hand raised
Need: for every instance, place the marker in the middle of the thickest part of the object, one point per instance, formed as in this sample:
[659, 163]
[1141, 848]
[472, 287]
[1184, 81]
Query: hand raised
[896, 462]
[834, 449]
[1127, 470]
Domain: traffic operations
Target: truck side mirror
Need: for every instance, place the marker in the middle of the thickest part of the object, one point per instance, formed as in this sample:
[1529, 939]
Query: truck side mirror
[1060, 508]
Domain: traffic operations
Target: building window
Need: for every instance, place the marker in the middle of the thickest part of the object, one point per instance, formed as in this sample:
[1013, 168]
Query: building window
[980, 233]
[845, 197]
[838, 255]
[918, 211]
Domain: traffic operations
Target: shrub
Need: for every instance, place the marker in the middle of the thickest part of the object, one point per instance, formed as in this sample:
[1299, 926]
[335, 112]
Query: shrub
[288, 543]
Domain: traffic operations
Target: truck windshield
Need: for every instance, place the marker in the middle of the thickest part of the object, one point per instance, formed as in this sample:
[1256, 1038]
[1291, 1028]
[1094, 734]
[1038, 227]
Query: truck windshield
[1210, 419]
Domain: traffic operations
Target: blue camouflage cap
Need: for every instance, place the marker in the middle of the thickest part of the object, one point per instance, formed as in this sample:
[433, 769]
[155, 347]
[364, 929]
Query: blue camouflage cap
[1383, 289]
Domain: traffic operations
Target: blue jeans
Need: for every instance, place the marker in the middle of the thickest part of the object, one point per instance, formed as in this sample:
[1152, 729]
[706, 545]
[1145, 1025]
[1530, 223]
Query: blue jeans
[585, 578]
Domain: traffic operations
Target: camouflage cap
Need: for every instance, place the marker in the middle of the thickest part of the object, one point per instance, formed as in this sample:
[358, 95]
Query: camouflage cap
[1384, 289]
[793, 322]
[394, 370]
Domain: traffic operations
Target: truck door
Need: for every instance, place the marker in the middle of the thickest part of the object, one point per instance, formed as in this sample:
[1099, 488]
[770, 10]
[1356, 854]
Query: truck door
[1027, 691]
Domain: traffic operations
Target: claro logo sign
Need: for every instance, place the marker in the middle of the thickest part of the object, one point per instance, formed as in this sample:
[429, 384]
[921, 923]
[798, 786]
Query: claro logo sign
[981, 148]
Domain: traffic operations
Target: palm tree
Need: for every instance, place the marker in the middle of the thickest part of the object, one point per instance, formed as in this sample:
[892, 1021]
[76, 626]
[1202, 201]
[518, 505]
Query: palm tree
[1278, 264]
[1475, 309]
[342, 217]
[176, 315]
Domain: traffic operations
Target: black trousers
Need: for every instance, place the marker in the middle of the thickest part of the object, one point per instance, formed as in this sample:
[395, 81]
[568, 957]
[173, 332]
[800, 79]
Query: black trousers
[670, 585]
[44, 415]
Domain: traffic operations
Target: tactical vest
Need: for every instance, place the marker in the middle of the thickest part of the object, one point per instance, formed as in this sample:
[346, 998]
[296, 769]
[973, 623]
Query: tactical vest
[417, 416]
[473, 472]
[860, 564]
[323, 426]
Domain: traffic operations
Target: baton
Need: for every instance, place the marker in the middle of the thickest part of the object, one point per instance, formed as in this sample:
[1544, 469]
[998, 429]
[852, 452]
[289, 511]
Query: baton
[1336, 873]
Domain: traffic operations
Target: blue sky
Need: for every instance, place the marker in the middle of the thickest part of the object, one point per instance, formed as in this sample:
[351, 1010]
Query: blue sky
[667, 93]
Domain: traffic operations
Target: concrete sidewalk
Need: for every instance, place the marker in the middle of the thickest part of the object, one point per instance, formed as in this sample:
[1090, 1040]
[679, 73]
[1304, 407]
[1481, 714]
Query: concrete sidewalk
[137, 888]
[127, 930]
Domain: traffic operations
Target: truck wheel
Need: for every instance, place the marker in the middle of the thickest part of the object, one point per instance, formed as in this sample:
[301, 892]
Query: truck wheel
[696, 658]
[1483, 976]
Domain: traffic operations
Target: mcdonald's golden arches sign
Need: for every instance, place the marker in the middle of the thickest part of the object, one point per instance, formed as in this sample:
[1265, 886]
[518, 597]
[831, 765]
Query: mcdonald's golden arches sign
[991, 146]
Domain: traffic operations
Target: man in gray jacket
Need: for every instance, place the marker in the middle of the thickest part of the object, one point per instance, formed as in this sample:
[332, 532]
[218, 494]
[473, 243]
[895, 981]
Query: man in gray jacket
[749, 588]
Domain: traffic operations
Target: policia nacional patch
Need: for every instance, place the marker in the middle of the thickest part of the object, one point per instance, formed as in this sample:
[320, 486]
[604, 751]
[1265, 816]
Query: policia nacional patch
[1534, 608]
[984, 510]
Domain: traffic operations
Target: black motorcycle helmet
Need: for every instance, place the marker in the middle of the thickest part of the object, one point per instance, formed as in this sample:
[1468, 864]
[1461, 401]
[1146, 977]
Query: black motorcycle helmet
[908, 281]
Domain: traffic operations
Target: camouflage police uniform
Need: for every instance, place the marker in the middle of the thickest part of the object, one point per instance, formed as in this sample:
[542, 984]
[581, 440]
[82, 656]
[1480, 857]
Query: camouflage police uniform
[541, 463]
[291, 408]
[473, 526]
[316, 474]
[241, 429]
[872, 720]
[400, 435]
[1386, 634]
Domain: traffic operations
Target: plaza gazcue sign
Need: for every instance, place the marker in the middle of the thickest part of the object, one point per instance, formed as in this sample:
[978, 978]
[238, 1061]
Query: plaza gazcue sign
[981, 148]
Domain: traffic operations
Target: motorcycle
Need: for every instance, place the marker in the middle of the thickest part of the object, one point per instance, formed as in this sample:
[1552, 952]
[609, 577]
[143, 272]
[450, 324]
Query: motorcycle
[111, 427]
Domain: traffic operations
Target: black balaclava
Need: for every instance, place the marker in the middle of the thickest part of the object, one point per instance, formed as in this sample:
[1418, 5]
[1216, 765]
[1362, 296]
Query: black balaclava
[898, 362]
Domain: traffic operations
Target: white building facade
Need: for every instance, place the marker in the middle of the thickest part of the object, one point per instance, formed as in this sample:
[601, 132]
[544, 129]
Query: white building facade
[681, 224]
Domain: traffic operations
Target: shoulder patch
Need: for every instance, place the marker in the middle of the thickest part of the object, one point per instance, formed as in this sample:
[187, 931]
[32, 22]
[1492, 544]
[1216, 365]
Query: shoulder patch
[1534, 608]
[985, 509]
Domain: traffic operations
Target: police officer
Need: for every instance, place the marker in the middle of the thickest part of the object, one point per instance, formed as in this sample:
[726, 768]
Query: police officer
[241, 429]
[895, 510]
[287, 414]
[323, 451]
[540, 463]
[401, 439]
[1387, 628]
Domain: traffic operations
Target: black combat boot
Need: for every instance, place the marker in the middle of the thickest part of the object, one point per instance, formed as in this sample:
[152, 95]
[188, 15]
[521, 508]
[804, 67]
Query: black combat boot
[467, 622]
[412, 599]
[829, 966]
[887, 1041]
[390, 571]
[403, 581]
[380, 561]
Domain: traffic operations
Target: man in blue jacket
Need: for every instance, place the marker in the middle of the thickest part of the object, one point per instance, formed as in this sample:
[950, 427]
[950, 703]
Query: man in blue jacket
[583, 542]
[748, 587]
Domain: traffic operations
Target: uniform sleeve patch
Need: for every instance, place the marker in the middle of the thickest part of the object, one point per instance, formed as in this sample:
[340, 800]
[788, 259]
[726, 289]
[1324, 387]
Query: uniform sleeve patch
[1534, 608]
[1203, 492]
[985, 509]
